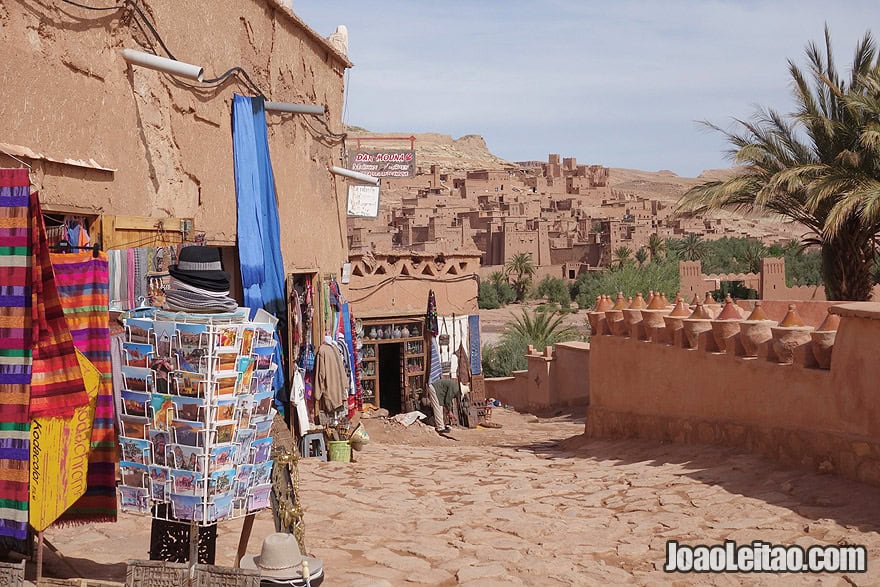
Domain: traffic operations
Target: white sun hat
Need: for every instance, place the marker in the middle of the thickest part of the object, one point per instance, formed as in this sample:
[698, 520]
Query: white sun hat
[280, 561]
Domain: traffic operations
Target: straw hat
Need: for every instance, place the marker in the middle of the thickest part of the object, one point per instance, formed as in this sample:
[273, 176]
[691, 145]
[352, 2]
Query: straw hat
[281, 560]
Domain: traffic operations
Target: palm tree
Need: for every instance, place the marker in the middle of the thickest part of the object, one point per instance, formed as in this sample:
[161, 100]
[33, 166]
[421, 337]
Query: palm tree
[539, 329]
[641, 256]
[819, 166]
[621, 256]
[691, 247]
[656, 246]
[522, 265]
[753, 252]
[498, 278]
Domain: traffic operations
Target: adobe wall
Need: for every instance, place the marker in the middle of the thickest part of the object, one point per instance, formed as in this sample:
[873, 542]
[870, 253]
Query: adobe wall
[389, 284]
[71, 95]
[797, 413]
[556, 378]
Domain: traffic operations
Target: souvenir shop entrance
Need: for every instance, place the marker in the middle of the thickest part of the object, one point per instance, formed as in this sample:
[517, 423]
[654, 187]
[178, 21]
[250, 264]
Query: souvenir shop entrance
[394, 363]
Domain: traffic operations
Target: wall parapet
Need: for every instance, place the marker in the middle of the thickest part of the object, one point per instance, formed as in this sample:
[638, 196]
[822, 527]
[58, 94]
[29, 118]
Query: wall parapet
[794, 411]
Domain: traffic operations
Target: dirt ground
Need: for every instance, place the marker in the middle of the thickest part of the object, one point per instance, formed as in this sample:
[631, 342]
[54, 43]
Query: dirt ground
[492, 321]
[532, 503]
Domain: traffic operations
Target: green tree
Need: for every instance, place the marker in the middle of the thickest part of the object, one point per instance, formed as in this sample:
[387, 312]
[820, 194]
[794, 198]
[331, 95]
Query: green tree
[621, 256]
[522, 266]
[487, 297]
[819, 166]
[555, 290]
[752, 254]
[656, 246]
[498, 278]
[539, 329]
[661, 276]
[691, 247]
[641, 256]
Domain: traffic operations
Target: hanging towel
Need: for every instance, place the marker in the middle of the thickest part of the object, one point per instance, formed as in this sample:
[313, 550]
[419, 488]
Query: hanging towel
[474, 344]
[436, 369]
[16, 343]
[83, 284]
[262, 267]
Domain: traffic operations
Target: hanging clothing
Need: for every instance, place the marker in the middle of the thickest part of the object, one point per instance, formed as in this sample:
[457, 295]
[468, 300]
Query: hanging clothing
[474, 344]
[83, 284]
[298, 400]
[331, 381]
[436, 368]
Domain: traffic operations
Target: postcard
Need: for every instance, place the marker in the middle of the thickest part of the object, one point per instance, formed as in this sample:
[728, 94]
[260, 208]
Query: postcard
[164, 333]
[137, 378]
[259, 497]
[188, 408]
[262, 473]
[186, 458]
[222, 456]
[186, 507]
[138, 330]
[260, 450]
[243, 415]
[226, 361]
[245, 367]
[134, 474]
[192, 359]
[190, 384]
[220, 507]
[188, 432]
[263, 379]
[225, 433]
[135, 450]
[159, 439]
[134, 403]
[163, 411]
[243, 479]
[134, 426]
[263, 402]
[244, 436]
[191, 335]
[262, 428]
[264, 336]
[227, 338]
[221, 482]
[134, 499]
[188, 482]
[263, 356]
[159, 478]
[247, 341]
[163, 367]
[137, 354]
[226, 383]
[224, 411]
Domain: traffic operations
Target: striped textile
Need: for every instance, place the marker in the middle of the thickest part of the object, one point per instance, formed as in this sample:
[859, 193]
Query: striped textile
[436, 368]
[57, 386]
[84, 286]
[16, 341]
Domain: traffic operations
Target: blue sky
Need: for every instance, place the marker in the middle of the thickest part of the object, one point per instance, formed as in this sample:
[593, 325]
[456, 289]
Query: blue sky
[618, 83]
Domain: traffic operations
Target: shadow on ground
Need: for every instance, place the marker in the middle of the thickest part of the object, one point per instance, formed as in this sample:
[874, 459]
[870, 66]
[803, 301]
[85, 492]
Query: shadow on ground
[811, 495]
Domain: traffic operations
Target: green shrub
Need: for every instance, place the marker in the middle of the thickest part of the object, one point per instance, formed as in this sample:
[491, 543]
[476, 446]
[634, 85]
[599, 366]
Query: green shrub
[555, 291]
[487, 298]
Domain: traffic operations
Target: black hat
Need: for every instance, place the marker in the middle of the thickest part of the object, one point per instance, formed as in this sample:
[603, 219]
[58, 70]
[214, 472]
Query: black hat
[201, 267]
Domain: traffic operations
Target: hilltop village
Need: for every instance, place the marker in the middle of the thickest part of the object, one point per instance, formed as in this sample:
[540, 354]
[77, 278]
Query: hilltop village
[570, 217]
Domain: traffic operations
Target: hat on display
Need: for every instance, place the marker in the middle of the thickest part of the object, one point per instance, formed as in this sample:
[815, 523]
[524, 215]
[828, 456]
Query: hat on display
[280, 560]
[200, 267]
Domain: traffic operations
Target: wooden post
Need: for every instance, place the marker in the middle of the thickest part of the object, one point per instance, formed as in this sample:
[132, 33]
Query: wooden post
[244, 538]
[39, 556]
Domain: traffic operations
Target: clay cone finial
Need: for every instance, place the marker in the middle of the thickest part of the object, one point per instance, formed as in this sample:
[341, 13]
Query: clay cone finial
[792, 318]
[758, 313]
[639, 302]
[709, 300]
[598, 303]
[680, 309]
[729, 312]
[695, 301]
[700, 312]
[665, 301]
[831, 322]
[629, 301]
[620, 304]
[606, 304]
[677, 298]
[657, 303]
[650, 297]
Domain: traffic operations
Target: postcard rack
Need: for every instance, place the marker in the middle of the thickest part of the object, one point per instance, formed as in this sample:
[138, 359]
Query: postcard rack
[197, 411]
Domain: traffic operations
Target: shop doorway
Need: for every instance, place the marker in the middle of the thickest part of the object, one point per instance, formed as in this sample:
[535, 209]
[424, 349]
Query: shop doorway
[389, 377]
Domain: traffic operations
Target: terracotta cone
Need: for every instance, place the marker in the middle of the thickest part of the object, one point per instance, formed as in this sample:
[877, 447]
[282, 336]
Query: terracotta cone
[666, 303]
[598, 303]
[656, 303]
[650, 297]
[708, 300]
[620, 304]
[830, 324]
[606, 304]
[729, 312]
[792, 318]
[695, 301]
[680, 310]
[700, 312]
[758, 313]
[639, 302]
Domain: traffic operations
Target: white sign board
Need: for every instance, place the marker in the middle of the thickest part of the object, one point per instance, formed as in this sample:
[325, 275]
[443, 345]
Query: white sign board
[363, 201]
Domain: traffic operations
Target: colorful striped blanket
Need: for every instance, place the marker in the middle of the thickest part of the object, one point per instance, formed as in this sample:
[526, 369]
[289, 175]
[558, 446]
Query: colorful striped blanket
[84, 285]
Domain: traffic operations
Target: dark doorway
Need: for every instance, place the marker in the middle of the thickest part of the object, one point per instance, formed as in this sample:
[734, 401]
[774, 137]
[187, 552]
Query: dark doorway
[389, 377]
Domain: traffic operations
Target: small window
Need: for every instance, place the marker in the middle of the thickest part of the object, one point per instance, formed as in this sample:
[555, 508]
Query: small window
[571, 273]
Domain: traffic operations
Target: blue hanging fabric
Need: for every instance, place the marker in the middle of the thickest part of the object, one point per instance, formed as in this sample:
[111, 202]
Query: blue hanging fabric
[262, 268]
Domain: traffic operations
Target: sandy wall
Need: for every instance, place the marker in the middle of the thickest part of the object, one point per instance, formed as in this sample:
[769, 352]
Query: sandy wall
[825, 419]
[69, 94]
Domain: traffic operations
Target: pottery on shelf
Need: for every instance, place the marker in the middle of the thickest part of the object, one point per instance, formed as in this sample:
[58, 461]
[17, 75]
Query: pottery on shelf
[789, 335]
[405, 332]
[396, 332]
[620, 303]
[822, 340]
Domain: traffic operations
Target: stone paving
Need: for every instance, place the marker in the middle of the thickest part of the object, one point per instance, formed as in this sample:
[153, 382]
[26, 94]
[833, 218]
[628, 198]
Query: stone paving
[524, 506]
